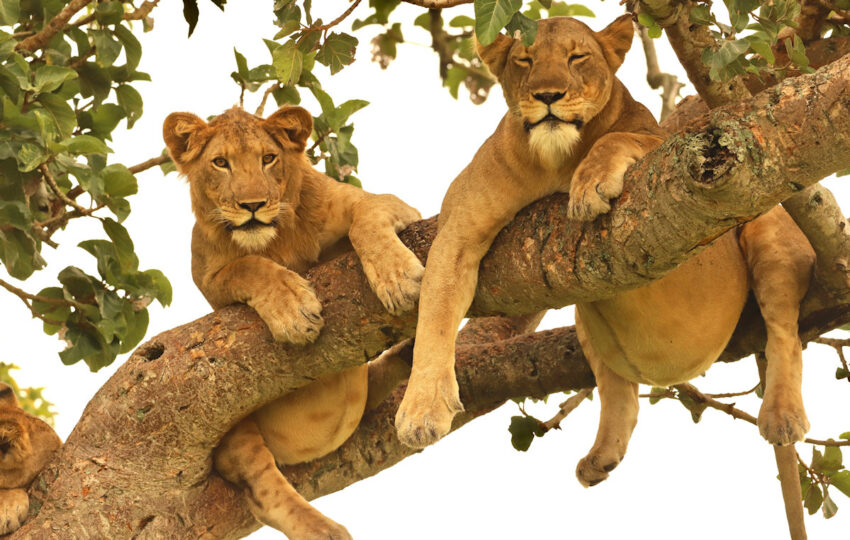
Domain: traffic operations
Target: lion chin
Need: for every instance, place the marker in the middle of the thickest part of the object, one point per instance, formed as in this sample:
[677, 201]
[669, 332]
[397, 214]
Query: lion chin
[553, 142]
[255, 239]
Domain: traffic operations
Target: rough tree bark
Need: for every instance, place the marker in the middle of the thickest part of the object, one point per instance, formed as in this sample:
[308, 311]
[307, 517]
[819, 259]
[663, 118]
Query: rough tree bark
[138, 463]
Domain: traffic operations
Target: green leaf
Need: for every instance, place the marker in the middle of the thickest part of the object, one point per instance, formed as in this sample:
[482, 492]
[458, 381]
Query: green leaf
[118, 181]
[124, 249]
[654, 31]
[107, 48]
[560, 9]
[841, 373]
[159, 285]
[455, 75]
[523, 429]
[337, 51]
[19, 252]
[646, 19]
[137, 326]
[94, 81]
[130, 100]
[86, 144]
[10, 11]
[462, 21]
[701, 14]
[829, 506]
[814, 499]
[841, 480]
[49, 78]
[104, 119]
[287, 62]
[109, 12]
[15, 214]
[132, 47]
[491, 16]
[62, 113]
[423, 21]
[526, 27]
[31, 156]
[762, 48]
[190, 13]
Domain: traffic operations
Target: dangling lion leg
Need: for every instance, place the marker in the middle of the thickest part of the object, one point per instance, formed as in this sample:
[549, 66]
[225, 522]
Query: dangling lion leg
[619, 400]
[14, 505]
[243, 458]
[780, 261]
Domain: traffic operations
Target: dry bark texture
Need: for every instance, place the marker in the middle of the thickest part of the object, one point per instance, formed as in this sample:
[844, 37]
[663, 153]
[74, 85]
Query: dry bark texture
[138, 463]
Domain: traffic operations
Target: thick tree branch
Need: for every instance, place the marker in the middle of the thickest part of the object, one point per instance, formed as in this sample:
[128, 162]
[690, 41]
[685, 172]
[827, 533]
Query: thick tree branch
[180, 392]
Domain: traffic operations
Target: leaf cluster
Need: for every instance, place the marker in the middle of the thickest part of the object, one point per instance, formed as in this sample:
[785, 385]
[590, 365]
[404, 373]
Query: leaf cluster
[59, 107]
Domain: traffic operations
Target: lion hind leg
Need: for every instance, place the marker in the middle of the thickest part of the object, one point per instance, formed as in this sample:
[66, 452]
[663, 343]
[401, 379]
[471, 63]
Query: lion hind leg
[243, 458]
[618, 398]
[780, 261]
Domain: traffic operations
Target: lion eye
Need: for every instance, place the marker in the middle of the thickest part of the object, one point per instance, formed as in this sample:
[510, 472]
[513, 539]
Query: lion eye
[575, 57]
[269, 158]
[524, 61]
[221, 163]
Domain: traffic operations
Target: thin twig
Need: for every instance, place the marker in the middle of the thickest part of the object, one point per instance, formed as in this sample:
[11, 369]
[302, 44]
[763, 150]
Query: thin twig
[152, 162]
[566, 408]
[138, 14]
[735, 394]
[669, 84]
[438, 4]
[27, 299]
[48, 177]
[729, 408]
[338, 20]
[838, 345]
[266, 95]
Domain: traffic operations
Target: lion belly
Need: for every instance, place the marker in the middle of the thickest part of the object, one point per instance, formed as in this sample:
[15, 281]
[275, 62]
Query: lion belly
[316, 419]
[672, 329]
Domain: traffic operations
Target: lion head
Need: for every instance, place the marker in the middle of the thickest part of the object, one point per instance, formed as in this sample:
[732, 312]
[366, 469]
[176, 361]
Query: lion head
[245, 172]
[561, 82]
[15, 446]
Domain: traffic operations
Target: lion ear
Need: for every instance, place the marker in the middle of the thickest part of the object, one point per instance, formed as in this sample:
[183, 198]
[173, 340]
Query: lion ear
[185, 136]
[616, 40]
[291, 127]
[7, 396]
[495, 55]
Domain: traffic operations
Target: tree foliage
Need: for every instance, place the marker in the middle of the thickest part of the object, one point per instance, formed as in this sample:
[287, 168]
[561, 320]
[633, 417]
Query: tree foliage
[69, 77]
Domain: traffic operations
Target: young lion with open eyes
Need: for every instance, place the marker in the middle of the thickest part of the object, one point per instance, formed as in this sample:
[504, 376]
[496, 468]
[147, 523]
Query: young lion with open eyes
[263, 217]
[573, 127]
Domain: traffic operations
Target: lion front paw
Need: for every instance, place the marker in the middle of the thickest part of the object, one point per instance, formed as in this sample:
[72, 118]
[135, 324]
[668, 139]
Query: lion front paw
[592, 187]
[291, 311]
[427, 409]
[595, 466]
[782, 424]
[14, 505]
[396, 279]
[318, 529]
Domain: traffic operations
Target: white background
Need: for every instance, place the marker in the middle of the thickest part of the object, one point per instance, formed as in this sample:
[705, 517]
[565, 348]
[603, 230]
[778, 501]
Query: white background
[678, 480]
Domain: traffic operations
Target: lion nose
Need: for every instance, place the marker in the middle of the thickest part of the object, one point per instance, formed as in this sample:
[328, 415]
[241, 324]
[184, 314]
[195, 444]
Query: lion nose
[252, 206]
[549, 97]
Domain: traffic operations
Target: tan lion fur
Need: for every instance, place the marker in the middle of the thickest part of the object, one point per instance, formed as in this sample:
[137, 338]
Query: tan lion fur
[263, 217]
[27, 443]
[573, 127]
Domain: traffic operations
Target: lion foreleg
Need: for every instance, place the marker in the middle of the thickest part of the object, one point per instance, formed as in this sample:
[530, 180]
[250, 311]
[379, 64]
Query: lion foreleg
[599, 176]
[393, 271]
[780, 261]
[618, 398]
[243, 459]
[14, 505]
[432, 398]
[284, 300]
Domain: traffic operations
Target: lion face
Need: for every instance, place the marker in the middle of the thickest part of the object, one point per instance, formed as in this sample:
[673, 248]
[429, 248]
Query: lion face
[244, 172]
[557, 85]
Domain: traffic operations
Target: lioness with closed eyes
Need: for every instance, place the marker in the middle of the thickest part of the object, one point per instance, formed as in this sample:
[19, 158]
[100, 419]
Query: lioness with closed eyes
[572, 126]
